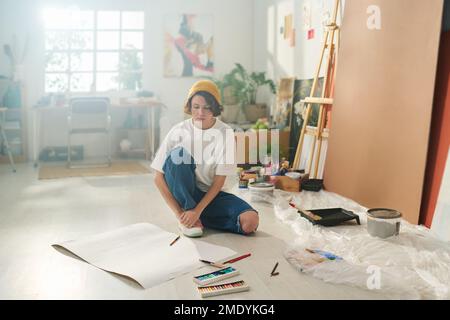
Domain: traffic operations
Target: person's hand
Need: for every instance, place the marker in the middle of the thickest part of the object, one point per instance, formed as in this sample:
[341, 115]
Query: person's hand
[198, 224]
[190, 218]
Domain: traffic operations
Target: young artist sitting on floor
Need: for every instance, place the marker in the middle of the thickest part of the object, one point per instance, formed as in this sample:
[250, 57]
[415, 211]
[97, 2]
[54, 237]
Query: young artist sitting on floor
[192, 165]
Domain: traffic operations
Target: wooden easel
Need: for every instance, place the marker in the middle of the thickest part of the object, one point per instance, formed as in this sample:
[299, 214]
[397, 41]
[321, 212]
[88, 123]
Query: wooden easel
[331, 44]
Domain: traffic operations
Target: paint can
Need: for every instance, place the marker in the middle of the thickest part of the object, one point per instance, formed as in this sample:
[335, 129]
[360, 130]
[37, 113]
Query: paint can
[261, 192]
[383, 223]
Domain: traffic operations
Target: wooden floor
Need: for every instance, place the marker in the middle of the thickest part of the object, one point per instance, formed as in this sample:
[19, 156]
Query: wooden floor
[35, 214]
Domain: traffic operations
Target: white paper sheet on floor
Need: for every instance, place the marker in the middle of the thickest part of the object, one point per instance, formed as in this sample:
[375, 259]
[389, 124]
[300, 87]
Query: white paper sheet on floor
[413, 265]
[142, 252]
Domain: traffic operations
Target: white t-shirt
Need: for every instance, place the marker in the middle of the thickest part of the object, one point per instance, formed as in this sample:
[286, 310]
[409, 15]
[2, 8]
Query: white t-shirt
[213, 150]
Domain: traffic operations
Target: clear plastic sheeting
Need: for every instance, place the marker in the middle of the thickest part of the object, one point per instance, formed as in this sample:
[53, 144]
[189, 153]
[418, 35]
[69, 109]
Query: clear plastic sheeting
[268, 199]
[413, 265]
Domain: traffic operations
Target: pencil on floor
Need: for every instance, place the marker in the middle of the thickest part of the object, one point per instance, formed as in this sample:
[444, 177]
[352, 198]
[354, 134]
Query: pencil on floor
[274, 269]
[176, 239]
[238, 258]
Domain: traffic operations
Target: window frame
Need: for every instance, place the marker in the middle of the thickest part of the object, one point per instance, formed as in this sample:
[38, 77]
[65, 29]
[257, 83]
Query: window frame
[94, 51]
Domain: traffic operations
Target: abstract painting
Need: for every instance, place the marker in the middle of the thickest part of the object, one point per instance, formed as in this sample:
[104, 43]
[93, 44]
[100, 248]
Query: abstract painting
[302, 90]
[188, 50]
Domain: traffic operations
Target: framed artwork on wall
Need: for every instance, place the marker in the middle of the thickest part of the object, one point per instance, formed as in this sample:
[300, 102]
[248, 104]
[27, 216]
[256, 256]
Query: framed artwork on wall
[302, 90]
[188, 45]
[282, 111]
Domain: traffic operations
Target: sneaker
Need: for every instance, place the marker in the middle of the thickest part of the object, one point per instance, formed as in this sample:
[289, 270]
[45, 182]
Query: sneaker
[195, 232]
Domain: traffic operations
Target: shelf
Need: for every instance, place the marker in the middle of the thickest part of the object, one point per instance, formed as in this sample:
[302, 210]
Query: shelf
[136, 153]
[132, 129]
[314, 100]
[135, 150]
[14, 125]
[13, 109]
[12, 129]
[312, 131]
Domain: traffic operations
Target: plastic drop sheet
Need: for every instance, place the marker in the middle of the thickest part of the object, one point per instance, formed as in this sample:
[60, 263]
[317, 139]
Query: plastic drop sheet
[413, 265]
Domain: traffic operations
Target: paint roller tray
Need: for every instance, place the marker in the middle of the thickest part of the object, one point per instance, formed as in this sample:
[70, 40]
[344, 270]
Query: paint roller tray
[329, 217]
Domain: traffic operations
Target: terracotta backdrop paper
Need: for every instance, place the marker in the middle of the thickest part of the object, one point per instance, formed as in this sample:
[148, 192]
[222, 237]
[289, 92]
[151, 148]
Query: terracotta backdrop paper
[383, 103]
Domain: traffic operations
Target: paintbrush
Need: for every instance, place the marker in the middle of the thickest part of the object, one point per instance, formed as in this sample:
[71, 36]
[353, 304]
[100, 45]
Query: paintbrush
[313, 216]
[214, 264]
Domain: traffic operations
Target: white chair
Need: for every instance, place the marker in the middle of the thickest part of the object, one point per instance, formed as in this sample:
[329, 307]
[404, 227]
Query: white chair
[94, 114]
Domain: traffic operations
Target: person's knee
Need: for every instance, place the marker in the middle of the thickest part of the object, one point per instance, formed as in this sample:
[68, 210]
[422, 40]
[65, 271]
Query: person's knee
[249, 222]
[178, 159]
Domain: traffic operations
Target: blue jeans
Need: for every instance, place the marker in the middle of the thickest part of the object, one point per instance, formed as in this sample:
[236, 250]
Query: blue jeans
[224, 210]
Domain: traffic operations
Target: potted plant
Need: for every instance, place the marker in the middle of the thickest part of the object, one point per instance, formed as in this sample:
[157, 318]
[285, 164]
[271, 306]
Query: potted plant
[238, 87]
[247, 86]
[227, 88]
[230, 102]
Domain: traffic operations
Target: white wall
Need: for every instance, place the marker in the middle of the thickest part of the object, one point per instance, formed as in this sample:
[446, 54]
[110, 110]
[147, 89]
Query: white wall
[233, 42]
[273, 53]
[245, 31]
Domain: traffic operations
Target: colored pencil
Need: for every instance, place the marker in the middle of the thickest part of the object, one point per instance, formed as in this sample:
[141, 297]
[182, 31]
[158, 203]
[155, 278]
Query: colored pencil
[208, 291]
[274, 268]
[173, 242]
[238, 258]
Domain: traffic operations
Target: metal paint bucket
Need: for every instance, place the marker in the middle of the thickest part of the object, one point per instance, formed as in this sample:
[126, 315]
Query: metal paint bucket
[383, 223]
[261, 192]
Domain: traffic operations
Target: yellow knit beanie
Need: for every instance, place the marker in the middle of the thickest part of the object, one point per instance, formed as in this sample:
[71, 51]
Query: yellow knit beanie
[206, 86]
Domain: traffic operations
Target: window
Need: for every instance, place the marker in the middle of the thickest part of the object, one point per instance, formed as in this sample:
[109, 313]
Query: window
[93, 51]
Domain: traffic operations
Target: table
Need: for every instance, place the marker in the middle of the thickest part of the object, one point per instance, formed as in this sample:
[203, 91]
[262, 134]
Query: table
[150, 106]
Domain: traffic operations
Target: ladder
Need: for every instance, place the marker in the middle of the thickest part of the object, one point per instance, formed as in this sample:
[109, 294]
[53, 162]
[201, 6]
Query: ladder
[330, 45]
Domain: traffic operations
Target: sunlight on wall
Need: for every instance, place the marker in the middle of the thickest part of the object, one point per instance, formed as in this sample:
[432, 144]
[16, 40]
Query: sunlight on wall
[271, 30]
[285, 54]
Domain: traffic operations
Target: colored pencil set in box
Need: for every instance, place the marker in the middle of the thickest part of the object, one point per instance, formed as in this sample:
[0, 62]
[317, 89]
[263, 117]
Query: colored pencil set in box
[219, 289]
[216, 276]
